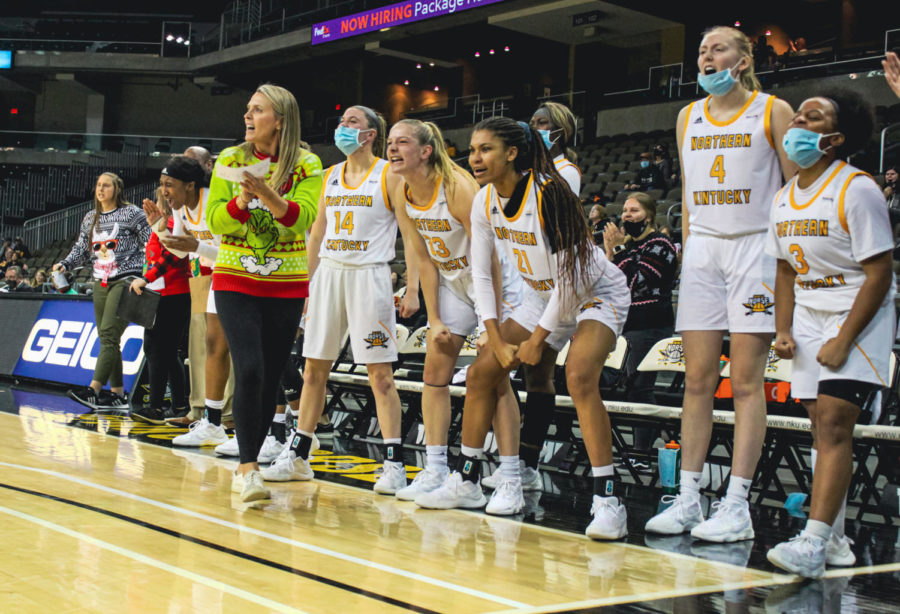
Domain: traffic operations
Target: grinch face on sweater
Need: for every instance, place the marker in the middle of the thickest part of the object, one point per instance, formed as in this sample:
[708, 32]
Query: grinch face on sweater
[262, 235]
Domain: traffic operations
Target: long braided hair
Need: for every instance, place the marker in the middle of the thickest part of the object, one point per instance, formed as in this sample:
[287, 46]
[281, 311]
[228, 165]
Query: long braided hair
[572, 234]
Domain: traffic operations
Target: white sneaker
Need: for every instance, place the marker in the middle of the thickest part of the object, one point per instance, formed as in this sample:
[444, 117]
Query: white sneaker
[531, 478]
[803, 555]
[392, 479]
[202, 433]
[270, 450]
[838, 552]
[229, 448]
[454, 492]
[287, 467]
[728, 523]
[254, 489]
[610, 519]
[507, 498]
[492, 480]
[425, 481]
[678, 518]
[237, 482]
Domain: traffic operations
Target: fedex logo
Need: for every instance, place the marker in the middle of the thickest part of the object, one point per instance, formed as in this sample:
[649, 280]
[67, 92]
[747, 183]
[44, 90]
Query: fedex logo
[321, 31]
[70, 343]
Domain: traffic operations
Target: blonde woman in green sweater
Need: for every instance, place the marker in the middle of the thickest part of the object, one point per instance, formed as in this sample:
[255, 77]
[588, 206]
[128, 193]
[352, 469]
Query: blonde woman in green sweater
[260, 277]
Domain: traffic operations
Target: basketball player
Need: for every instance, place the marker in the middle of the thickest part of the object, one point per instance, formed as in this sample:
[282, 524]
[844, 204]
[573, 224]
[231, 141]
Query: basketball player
[438, 195]
[732, 162]
[351, 243]
[572, 288]
[556, 125]
[834, 306]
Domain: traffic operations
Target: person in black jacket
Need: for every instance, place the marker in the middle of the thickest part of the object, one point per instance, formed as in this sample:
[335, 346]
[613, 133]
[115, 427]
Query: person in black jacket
[650, 177]
[648, 259]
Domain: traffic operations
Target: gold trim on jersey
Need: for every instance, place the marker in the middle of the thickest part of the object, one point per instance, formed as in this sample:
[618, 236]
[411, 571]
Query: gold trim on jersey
[767, 121]
[518, 213]
[687, 117]
[798, 207]
[561, 164]
[734, 118]
[384, 190]
[366, 176]
[437, 189]
[842, 216]
[187, 212]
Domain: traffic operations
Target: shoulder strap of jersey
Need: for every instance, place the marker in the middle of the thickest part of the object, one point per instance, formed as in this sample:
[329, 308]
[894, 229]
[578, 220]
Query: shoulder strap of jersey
[687, 118]
[842, 214]
[384, 188]
[767, 121]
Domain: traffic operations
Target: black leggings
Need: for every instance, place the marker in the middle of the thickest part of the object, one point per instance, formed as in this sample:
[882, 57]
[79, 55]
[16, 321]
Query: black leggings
[161, 345]
[291, 383]
[260, 332]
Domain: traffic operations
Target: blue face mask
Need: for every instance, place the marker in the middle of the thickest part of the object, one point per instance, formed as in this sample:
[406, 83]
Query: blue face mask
[802, 146]
[645, 163]
[719, 83]
[545, 135]
[347, 139]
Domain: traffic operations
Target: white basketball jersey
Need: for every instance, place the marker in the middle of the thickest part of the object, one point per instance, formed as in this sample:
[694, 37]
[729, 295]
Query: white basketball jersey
[360, 227]
[522, 237]
[731, 169]
[825, 231]
[569, 172]
[193, 223]
[446, 240]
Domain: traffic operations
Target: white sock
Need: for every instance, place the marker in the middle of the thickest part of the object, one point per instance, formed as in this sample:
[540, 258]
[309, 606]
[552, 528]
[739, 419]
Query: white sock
[690, 486]
[436, 457]
[215, 404]
[738, 490]
[392, 440]
[817, 528]
[509, 467]
[837, 528]
[602, 472]
[279, 418]
[471, 452]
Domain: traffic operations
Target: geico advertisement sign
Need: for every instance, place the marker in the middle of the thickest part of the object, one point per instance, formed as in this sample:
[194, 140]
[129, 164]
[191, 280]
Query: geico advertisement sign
[63, 345]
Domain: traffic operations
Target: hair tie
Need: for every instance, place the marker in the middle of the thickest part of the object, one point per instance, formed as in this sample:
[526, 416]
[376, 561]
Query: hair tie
[527, 130]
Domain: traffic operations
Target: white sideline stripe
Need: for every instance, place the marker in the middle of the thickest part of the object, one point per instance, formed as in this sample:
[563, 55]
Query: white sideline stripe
[140, 558]
[284, 540]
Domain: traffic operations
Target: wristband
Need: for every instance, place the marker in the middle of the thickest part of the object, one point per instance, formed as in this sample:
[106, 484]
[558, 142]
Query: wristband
[618, 248]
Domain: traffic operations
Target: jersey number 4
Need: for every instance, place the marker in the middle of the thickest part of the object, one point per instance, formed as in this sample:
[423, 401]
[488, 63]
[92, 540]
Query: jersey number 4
[347, 224]
[718, 168]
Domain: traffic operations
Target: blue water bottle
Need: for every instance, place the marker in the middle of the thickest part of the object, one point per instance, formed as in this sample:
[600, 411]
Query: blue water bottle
[669, 463]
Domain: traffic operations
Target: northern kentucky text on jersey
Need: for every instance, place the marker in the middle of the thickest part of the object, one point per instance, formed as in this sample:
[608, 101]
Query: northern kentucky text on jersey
[515, 236]
[802, 228]
[432, 225]
[720, 141]
[349, 200]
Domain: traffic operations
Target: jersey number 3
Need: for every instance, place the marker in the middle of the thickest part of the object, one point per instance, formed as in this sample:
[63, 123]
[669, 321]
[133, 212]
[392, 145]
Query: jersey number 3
[800, 264]
[718, 168]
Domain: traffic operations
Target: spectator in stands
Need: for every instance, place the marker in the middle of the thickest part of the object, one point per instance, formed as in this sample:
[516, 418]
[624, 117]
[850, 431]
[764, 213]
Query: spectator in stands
[891, 64]
[450, 147]
[21, 248]
[648, 259]
[112, 237]
[891, 195]
[8, 254]
[13, 258]
[839, 337]
[597, 220]
[650, 177]
[663, 162]
[556, 124]
[40, 278]
[15, 282]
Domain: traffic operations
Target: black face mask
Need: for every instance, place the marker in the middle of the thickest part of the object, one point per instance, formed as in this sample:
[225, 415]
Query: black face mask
[634, 229]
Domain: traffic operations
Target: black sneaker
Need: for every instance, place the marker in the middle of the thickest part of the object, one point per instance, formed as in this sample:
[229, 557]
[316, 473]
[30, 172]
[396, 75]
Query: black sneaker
[86, 396]
[111, 400]
[150, 415]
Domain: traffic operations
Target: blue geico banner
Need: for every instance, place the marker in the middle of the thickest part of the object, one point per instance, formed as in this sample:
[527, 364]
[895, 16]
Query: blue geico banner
[63, 346]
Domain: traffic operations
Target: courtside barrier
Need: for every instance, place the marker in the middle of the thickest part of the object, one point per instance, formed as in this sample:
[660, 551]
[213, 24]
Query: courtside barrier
[54, 339]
